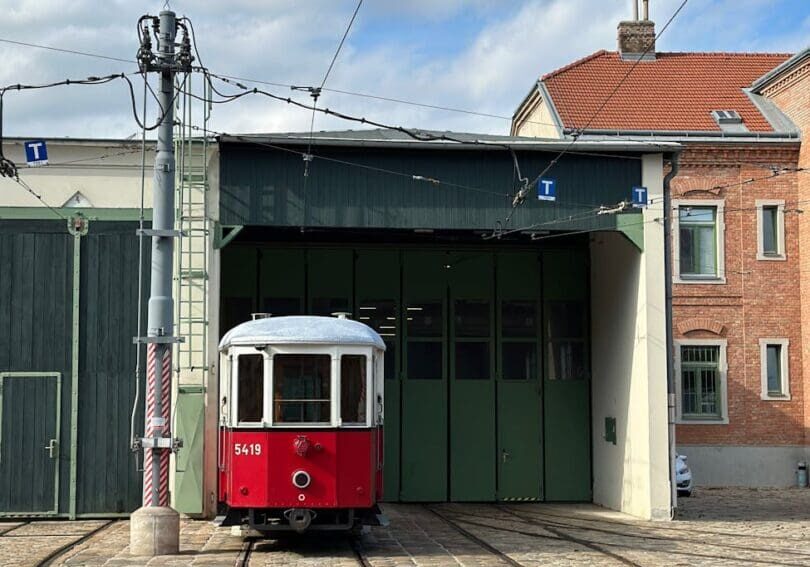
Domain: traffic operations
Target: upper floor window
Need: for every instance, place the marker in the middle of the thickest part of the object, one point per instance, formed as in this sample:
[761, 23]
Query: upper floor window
[698, 231]
[770, 230]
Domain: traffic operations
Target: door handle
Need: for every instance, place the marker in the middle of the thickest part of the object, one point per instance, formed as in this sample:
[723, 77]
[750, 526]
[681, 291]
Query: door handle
[51, 447]
[505, 455]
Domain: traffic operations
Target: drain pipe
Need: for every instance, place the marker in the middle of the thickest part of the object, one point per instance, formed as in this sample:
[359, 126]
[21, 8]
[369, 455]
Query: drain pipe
[675, 162]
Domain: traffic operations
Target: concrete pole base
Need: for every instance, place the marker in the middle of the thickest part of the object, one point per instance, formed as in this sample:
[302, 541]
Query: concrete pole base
[154, 530]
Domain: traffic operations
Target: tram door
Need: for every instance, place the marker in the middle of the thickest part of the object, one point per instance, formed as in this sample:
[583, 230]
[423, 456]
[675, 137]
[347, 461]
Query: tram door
[471, 283]
[424, 384]
[377, 283]
[519, 386]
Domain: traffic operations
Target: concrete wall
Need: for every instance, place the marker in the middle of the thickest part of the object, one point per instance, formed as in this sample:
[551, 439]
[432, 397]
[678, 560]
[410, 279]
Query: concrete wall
[751, 466]
[629, 364]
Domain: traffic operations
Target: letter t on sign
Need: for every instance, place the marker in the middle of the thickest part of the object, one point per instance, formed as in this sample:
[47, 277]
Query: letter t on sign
[547, 189]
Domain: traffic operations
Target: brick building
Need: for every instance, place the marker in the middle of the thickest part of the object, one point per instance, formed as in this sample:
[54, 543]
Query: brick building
[740, 245]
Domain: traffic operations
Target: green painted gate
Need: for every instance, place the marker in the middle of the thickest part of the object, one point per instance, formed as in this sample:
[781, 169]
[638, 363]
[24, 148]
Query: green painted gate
[487, 391]
[68, 305]
[423, 423]
[567, 376]
[520, 408]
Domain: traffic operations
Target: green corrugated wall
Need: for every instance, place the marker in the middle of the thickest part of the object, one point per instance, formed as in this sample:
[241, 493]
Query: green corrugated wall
[36, 306]
[262, 186]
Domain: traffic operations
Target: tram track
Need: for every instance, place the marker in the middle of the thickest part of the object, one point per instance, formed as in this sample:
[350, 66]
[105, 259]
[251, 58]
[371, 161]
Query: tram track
[359, 554]
[243, 559]
[53, 556]
[474, 538]
[12, 528]
[556, 529]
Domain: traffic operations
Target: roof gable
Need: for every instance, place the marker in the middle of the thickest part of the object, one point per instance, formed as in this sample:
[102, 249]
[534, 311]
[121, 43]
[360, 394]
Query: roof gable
[674, 92]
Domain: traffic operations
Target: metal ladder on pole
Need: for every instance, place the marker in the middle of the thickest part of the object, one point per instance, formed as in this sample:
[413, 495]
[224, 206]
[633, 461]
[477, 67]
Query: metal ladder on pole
[192, 216]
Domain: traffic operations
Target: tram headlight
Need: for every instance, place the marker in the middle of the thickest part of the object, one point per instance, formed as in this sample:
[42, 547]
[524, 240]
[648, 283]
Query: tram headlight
[301, 479]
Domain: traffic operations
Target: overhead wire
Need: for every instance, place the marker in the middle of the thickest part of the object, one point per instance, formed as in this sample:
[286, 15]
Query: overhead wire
[520, 197]
[64, 50]
[141, 222]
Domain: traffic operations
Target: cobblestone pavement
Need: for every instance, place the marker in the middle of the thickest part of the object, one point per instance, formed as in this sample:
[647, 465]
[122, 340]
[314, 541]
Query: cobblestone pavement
[714, 527]
[30, 543]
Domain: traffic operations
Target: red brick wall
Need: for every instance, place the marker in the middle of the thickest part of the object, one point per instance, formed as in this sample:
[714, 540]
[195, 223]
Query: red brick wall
[791, 93]
[760, 299]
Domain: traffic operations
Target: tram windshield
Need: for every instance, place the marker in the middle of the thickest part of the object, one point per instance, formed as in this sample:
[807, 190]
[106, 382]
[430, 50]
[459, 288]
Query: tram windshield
[301, 392]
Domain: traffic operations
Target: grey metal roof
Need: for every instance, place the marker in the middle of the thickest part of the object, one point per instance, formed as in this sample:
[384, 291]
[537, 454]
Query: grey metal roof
[302, 330]
[472, 141]
[794, 61]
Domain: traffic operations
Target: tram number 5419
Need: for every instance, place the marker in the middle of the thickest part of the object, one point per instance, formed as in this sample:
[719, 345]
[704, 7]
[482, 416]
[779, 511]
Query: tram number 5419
[247, 449]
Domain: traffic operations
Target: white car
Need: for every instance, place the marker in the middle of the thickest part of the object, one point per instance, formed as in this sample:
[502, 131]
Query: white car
[683, 476]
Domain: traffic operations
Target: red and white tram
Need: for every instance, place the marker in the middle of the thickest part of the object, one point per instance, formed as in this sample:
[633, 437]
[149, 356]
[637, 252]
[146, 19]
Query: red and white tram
[301, 413]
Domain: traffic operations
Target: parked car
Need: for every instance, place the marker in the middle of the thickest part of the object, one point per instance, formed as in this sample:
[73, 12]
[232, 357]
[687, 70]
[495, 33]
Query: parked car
[683, 476]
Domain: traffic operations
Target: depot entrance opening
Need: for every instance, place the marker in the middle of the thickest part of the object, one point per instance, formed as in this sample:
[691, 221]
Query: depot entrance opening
[487, 367]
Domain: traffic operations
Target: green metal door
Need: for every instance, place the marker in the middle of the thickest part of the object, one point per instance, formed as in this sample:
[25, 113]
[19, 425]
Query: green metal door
[424, 385]
[567, 376]
[472, 369]
[519, 388]
[30, 442]
[377, 289]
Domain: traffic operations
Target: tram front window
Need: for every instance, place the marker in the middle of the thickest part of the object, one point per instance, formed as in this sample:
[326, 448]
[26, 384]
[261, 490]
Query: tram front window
[301, 392]
[353, 389]
[251, 387]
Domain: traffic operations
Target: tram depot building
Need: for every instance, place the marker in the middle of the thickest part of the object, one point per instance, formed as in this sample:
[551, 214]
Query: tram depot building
[529, 366]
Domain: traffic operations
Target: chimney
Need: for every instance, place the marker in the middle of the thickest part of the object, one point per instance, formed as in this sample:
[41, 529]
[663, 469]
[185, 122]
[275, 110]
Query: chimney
[636, 35]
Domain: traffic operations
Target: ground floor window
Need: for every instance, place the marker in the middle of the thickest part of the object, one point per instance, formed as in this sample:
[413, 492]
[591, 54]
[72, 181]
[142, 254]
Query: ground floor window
[774, 364]
[702, 381]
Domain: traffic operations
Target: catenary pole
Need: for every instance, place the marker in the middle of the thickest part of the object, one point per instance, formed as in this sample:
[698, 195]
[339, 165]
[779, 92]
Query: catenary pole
[159, 322]
[155, 526]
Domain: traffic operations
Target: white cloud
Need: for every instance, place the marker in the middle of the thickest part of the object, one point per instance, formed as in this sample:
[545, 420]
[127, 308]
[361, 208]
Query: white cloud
[290, 41]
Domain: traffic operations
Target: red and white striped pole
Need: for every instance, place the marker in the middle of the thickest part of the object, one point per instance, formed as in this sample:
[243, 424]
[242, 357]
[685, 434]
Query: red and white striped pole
[154, 528]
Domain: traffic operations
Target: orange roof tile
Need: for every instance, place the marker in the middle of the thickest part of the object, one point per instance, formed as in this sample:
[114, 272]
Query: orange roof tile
[676, 91]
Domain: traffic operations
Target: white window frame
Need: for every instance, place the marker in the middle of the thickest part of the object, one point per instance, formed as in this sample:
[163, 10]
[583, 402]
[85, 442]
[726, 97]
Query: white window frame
[784, 361]
[334, 401]
[233, 355]
[370, 386]
[720, 231]
[780, 229]
[722, 368]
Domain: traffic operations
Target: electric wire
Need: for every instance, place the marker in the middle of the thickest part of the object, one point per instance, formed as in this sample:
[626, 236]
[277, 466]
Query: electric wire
[141, 219]
[64, 50]
[520, 197]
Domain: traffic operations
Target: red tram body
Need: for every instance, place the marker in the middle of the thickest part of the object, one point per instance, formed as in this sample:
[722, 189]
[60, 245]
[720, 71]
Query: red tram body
[300, 442]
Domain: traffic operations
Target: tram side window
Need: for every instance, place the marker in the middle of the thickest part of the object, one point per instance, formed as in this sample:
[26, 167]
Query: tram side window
[301, 384]
[353, 389]
[251, 387]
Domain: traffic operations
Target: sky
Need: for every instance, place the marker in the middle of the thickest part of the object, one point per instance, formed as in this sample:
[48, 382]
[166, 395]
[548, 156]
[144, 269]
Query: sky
[479, 55]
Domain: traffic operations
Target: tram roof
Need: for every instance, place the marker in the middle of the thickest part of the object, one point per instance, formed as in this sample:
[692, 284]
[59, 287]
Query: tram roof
[302, 329]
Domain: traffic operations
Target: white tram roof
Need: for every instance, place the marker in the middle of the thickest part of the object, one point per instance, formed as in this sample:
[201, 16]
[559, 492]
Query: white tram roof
[302, 329]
